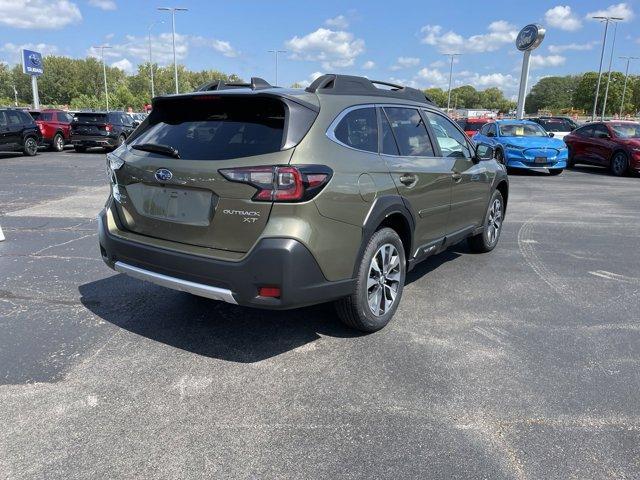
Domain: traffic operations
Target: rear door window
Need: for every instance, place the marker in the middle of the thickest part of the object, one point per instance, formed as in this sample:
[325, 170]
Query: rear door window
[409, 131]
[359, 129]
[46, 116]
[217, 128]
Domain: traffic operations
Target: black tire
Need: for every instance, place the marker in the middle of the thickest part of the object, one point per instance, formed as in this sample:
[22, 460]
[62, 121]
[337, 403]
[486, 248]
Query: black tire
[500, 157]
[355, 310]
[57, 144]
[555, 171]
[30, 147]
[487, 240]
[619, 164]
[79, 149]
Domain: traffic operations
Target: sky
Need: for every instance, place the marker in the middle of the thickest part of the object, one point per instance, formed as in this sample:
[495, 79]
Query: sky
[402, 42]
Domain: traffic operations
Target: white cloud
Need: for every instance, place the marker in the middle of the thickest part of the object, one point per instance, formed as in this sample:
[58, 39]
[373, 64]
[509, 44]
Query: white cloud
[507, 82]
[434, 77]
[578, 47]
[622, 10]
[340, 22]
[138, 48]
[125, 65]
[499, 33]
[39, 14]
[335, 49]
[306, 82]
[103, 4]
[406, 62]
[14, 49]
[563, 18]
[368, 65]
[541, 61]
[437, 64]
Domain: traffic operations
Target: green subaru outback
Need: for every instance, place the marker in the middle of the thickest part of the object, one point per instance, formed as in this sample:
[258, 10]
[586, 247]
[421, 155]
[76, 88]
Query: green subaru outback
[280, 198]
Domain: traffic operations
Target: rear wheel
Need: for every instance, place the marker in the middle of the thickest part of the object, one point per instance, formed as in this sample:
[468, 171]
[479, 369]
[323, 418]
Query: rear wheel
[555, 171]
[79, 148]
[57, 144]
[571, 161]
[30, 146]
[619, 164]
[379, 284]
[488, 239]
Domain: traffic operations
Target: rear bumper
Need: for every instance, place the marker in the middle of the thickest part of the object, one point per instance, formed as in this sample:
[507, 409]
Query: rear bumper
[93, 141]
[280, 262]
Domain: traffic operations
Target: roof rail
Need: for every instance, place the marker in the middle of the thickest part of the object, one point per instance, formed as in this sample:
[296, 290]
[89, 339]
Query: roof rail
[257, 83]
[333, 84]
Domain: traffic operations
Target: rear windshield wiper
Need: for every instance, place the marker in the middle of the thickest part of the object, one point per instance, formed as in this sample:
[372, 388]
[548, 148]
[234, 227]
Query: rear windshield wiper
[157, 148]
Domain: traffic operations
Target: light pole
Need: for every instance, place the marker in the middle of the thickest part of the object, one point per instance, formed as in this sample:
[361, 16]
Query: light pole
[606, 21]
[453, 56]
[104, 73]
[606, 90]
[276, 52]
[150, 57]
[173, 11]
[626, 75]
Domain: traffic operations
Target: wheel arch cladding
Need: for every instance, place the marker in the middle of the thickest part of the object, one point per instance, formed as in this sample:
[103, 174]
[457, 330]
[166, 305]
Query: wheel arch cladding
[388, 211]
[503, 188]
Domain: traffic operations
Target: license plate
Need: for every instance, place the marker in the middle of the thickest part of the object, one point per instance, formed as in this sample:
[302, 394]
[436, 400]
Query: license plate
[180, 205]
[541, 160]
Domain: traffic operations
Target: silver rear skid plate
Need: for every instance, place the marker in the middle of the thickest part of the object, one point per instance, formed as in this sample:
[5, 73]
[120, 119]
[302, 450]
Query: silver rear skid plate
[199, 289]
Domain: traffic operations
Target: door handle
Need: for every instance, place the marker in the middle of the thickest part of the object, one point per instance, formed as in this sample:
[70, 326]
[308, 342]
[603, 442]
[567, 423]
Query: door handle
[456, 177]
[408, 179]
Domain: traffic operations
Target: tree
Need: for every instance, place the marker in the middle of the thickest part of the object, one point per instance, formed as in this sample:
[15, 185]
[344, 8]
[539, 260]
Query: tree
[586, 89]
[437, 95]
[553, 93]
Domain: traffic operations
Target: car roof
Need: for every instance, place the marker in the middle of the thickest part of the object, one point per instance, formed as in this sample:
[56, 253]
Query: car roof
[515, 122]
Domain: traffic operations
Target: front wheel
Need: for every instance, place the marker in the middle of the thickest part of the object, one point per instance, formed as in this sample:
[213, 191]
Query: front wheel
[500, 157]
[488, 239]
[379, 284]
[30, 147]
[619, 164]
[555, 171]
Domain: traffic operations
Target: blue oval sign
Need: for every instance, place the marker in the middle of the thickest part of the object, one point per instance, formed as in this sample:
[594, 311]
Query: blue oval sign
[163, 175]
[530, 37]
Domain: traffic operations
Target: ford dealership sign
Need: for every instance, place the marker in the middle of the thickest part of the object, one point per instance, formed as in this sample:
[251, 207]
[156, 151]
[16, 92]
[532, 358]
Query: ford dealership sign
[32, 63]
[530, 37]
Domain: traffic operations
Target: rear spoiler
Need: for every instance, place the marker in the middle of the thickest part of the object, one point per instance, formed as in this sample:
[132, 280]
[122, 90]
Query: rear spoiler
[256, 83]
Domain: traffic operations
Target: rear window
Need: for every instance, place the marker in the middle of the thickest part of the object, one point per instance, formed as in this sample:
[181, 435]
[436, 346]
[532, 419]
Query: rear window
[35, 115]
[217, 128]
[473, 126]
[90, 118]
[556, 125]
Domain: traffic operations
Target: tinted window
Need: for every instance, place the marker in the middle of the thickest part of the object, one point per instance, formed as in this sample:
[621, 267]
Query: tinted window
[600, 131]
[46, 116]
[35, 115]
[359, 129]
[409, 131]
[473, 126]
[13, 118]
[389, 145]
[3, 119]
[26, 118]
[585, 131]
[217, 129]
[90, 117]
[555, 124]
[452, 141]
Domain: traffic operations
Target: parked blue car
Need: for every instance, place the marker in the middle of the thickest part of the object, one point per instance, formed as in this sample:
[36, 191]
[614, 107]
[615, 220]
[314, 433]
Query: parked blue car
[524, 144]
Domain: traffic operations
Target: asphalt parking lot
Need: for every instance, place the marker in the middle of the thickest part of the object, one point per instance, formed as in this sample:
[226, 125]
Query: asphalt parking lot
[523, 363]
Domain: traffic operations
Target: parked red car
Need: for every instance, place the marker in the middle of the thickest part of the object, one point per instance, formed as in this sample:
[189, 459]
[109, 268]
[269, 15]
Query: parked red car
[471, 126]
[613, 144]
[55, 126]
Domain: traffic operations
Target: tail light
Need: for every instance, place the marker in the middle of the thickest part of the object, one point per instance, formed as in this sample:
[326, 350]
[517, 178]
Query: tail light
[41, 127]
[281, 183]
[108, 127]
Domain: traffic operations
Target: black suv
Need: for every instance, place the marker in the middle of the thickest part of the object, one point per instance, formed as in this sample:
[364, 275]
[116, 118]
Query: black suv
[18, 132]
[100, 129]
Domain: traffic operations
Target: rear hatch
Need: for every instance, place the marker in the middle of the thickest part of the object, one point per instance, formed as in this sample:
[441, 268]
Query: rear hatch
[170, 185]
[90, 124]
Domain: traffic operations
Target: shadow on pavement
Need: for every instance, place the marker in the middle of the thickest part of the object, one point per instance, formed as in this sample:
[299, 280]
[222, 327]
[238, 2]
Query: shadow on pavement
[206, 327]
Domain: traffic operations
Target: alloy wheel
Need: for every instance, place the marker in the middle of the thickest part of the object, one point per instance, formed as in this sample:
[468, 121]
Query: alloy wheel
[619, 164]
[59, 143]
[494, 221]
[383, 281]
[31, 146]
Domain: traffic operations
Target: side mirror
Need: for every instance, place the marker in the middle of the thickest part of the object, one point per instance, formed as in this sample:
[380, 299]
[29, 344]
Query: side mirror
[484, 152]
[551, 134]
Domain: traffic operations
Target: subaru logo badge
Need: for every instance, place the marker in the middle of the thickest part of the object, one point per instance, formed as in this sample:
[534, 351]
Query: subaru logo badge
[163, 175]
